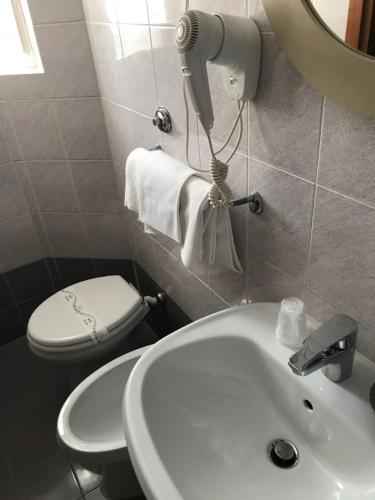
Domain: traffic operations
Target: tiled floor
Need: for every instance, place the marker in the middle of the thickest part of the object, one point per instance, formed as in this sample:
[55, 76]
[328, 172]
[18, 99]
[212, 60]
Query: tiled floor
[32, 465]
[56, 479]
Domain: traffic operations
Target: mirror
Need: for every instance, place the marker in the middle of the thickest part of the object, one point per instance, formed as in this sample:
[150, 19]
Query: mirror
[332, 44]
[351, 21]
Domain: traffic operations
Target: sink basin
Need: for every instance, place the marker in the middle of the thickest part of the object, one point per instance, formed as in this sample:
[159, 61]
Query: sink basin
[202, 406]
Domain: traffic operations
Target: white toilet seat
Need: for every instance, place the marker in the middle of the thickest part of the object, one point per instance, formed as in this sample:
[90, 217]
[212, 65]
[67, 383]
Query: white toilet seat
[90, 422]
[58, 329]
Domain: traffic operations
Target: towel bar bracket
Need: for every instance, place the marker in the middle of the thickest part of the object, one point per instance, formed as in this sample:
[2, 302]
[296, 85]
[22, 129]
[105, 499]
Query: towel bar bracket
[254, 200]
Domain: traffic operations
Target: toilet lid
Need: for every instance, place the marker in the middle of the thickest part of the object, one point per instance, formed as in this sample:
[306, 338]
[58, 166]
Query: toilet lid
[66, 318]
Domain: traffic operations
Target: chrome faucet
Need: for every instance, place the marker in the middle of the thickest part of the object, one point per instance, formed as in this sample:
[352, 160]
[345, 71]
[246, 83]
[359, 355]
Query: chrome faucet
[330, 348]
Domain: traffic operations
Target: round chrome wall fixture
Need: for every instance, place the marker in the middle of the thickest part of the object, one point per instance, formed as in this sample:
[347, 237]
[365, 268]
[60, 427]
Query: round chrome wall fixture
[162, 120]
[283, 453]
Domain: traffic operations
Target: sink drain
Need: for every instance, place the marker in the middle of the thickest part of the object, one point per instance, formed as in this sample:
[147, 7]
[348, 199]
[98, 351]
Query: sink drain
[283, 453]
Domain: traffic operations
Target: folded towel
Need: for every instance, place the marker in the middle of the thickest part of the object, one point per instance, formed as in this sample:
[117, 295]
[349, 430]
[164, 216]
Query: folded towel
[154, 181]
[131, 194]
[172, 199]
[194, 203]
[218, 242]
[207, 232]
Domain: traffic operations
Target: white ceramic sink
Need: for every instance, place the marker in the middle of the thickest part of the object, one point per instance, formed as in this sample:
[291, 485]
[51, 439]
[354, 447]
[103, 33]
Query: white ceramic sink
[202, 405]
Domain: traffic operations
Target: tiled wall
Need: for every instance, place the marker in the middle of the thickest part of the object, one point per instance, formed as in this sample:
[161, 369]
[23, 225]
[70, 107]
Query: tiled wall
[58, 190]
[312, 161]
[61, 194]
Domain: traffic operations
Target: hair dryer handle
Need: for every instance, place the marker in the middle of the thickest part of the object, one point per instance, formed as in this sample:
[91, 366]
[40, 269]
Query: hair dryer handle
[196, 78]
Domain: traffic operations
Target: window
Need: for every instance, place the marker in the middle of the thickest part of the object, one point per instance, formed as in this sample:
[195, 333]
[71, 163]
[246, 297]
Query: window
[19, 53]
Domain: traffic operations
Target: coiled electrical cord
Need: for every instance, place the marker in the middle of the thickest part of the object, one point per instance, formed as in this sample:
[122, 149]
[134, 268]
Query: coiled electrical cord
[220, 195]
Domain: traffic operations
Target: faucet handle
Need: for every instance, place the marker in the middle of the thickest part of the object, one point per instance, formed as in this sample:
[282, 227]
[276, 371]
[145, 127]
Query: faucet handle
[336, 336]
[334, 331]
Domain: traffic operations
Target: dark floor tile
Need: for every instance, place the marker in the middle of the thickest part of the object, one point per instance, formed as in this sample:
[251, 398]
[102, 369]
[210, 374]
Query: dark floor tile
[87, 480]
[57, 391]
[22, 407]
[16, 354]
[12, 325]
[30, 281]
[74, 270]
[52, 480]
[98, 495]
[32, 445]
[7, 492]
[95, 495]
[142, 335]
[6, 299]
[124, 268]
[27, 308]
[6, 474]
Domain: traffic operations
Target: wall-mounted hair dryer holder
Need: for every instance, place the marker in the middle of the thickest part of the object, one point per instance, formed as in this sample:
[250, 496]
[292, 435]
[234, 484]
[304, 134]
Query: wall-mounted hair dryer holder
[232, 42]
[239, 57]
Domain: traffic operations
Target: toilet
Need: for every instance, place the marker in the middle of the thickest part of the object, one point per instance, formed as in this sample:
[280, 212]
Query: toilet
[85, 322]
[90, 427]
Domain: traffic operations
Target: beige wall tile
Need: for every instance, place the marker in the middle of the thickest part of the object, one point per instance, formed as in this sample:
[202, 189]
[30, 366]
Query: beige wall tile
[55, 11]
[37, 129]
[66, 54]
[53, 186]
[83, 128]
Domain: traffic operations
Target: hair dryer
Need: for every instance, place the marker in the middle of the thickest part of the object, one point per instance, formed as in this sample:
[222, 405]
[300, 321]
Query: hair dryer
[230, 41]
[199, 37]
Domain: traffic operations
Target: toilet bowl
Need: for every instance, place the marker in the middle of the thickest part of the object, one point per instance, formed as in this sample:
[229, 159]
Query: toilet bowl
[86, 321]
[90, 427]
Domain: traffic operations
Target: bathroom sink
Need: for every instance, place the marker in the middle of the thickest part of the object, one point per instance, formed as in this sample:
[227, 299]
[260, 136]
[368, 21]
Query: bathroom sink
[203, 406]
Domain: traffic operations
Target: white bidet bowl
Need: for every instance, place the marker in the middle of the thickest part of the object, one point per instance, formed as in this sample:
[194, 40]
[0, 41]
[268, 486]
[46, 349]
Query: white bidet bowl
[90, 427]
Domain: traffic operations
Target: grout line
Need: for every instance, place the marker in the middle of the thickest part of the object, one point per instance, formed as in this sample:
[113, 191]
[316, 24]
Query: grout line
[10, 291]
[151, 25]
[177, 260]
[75, 475]
[49, 98]
[313, 213]
[127, 108]
[7, 163]
[35, 200]
[359, 202]
[340, 309]
[213, 292]
[65, 151]
[60, 160]
[120, 212]
[261, 162]
[153, 63]
[5, 221]
[59, 23]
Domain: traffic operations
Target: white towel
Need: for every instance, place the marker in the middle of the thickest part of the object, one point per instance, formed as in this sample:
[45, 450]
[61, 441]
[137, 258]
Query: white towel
[194, 203]
[131, 194]
[207, 232]
[218, 242]
[154, 181]
[181, 210]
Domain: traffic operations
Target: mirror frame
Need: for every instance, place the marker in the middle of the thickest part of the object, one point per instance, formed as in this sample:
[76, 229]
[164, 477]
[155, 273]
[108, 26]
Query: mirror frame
[339, 72]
